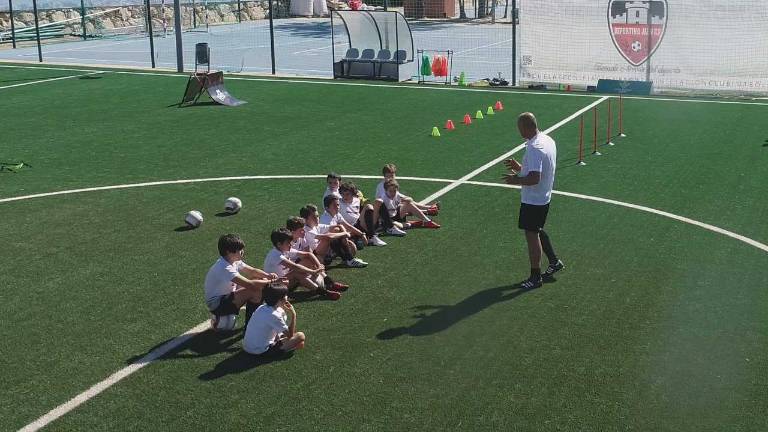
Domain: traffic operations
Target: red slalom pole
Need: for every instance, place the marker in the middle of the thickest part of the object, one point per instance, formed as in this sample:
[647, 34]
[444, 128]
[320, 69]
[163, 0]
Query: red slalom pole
[594, 138]
[581, 141]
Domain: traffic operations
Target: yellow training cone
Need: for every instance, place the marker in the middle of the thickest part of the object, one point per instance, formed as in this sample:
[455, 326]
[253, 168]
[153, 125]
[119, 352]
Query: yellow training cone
[435, 132]
[479, 114]
[490, 111]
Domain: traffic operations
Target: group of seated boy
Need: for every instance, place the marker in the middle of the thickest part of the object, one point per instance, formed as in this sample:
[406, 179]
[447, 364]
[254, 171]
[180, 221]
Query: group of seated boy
[300, 252]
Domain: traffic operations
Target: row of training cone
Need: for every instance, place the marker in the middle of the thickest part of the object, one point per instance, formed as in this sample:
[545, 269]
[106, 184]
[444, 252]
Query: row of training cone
[468, 119]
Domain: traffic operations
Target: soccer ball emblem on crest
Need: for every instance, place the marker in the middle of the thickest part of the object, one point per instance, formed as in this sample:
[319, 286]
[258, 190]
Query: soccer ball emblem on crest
[637, 46]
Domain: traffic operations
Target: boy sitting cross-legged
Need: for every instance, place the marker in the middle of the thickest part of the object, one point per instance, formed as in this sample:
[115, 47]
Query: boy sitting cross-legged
[283, 260]
[322, 238]
[414, 208]
[332, 216]
[358, 213]
[272, 328]
[230, 282]
[396, 207]
[304, 255]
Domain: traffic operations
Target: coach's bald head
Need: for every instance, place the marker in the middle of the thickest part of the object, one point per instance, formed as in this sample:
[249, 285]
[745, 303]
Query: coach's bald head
[526, 124]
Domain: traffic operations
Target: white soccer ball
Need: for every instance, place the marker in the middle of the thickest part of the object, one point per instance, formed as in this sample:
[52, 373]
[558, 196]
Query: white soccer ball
[637, 46]
[194, 218]
[232, 205]
[223, 322]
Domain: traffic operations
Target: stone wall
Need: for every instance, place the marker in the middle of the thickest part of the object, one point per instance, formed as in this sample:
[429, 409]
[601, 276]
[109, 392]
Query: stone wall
[133, 16]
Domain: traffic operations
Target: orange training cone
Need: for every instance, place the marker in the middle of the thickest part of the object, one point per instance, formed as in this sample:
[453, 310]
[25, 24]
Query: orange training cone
[467, 119]
[449, 125]
[498, 106]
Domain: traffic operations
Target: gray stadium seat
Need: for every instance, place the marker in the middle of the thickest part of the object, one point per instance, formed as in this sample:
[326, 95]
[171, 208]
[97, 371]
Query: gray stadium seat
[351, 55]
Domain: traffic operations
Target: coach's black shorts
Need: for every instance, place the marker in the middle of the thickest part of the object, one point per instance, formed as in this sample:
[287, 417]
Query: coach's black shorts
[532, 217]
[226, 306]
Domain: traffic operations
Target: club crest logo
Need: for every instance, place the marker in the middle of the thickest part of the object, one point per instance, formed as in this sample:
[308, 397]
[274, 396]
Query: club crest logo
[637, 27]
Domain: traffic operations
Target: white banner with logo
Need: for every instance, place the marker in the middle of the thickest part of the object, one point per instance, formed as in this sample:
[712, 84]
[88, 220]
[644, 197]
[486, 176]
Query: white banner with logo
[711, 45]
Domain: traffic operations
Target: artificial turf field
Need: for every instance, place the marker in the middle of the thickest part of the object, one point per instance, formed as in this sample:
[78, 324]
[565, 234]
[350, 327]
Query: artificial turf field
[655, 324]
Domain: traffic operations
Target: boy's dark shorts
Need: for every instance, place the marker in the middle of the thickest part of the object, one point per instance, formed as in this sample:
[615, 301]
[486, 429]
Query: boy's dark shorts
[226, 306]
[532, 217]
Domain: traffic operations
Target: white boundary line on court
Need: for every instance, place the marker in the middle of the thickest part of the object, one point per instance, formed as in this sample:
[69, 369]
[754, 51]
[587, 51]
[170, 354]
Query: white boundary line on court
[322, 81]
[48, 80]
[159, 352]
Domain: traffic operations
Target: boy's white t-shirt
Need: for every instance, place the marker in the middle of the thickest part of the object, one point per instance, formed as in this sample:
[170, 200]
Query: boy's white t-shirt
[350, 211]
[310, 234]
[273, 262]
[329, 191]
[393, 204]
[380, 191]
[265, 325]
[218, 281]
[300, 244]
[327, 219]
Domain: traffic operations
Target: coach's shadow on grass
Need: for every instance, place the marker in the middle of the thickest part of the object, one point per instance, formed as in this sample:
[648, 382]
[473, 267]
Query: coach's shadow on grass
[444, 316]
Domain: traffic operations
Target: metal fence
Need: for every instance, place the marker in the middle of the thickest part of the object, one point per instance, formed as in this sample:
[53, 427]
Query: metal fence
[702, 46]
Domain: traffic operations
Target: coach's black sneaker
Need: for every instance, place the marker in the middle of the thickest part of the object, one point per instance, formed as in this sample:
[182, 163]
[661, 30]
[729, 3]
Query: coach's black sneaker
[532, 282]
[552, 269]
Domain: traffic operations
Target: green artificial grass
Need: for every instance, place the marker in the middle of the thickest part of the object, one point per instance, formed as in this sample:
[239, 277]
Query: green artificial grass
[654, 324]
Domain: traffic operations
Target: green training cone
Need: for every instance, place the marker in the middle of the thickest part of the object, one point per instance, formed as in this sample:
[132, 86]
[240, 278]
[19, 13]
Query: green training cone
[490, 111]
[435, 132]
[462, 80]
[479, 114]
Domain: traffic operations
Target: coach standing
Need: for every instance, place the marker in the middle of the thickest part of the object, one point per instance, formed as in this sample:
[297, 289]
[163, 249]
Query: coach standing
[535, 176]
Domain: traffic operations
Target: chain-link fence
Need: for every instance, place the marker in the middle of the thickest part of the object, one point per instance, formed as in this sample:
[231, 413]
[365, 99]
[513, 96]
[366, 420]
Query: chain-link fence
[707, 46]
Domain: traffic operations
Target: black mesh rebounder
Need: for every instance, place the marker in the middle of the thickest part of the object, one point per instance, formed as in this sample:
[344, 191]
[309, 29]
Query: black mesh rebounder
[372, 45]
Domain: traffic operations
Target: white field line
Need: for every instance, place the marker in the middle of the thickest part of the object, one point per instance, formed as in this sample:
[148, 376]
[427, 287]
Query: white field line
[477, 171]
[739, 237]
[114, 378]
[322, 81]
[178, 341]
[49, 80]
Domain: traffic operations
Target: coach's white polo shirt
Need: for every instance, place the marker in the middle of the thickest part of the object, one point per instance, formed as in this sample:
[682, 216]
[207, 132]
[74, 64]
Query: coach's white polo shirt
[540, 155]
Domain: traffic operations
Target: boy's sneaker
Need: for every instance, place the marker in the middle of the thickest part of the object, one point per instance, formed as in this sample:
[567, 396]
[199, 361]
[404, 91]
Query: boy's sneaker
[376, 241]
[338, 286]
[531, 283]
[431, 224]
[432, 211]
[552, 269]
[395, 231]
[332, 295]
[416, 223]
[356, 263]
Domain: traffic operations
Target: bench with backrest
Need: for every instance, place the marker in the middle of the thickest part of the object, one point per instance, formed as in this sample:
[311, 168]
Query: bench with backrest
[370, 56]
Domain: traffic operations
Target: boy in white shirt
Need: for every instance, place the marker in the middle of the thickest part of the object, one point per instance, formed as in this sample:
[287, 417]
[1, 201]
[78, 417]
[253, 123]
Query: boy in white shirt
[389, 172]
[284, 261]
[306, 258]
[230, 282]
[396, 207]
[357, 213]
[332, 216]
[333, 181]
[272, 328]
[322, 238]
